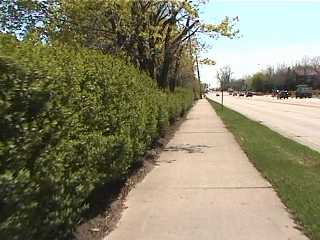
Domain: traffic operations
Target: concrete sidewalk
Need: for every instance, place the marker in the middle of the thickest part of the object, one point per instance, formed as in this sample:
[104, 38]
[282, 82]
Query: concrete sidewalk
[204, 187]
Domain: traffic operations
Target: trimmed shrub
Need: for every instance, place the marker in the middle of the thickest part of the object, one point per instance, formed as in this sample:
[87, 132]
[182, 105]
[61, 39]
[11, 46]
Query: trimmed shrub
[71, 119]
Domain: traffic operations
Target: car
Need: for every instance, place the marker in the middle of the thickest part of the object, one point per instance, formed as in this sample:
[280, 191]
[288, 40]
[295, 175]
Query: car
[241, 94]
[235, 94]
[283, 94]
[303, 91]
[249, 94]
[217, 94]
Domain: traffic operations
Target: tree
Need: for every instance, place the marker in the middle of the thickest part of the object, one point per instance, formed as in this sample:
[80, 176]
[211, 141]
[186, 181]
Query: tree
[237, 84]
[154, 41]
[224, 76]
[20, 17]
[258, 82]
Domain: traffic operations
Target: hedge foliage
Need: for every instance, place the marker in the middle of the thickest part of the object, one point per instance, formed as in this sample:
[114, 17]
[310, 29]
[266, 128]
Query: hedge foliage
[70, 119]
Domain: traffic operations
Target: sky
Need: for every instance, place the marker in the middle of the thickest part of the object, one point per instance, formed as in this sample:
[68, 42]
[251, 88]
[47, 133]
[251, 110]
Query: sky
[271, 33]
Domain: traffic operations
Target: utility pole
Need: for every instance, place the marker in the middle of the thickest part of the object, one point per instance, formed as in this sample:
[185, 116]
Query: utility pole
[198, 75]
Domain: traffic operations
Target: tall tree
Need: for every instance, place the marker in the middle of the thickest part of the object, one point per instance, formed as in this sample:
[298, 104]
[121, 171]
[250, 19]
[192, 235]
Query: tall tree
[224, 76]
[152, 34]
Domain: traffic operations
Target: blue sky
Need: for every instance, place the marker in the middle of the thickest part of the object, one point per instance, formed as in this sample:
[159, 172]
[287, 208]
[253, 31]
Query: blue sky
[272, 32]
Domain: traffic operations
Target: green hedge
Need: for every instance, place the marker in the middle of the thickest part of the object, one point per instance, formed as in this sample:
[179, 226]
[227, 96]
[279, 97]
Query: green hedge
[70, 119]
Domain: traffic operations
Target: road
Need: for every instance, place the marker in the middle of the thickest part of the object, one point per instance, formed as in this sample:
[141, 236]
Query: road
[298, 119]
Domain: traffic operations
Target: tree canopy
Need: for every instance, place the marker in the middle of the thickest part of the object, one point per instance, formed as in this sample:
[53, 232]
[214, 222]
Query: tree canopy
[155, 35]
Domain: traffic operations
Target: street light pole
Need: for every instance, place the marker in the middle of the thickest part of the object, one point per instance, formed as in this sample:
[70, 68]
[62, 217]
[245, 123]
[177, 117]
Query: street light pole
[222, 98]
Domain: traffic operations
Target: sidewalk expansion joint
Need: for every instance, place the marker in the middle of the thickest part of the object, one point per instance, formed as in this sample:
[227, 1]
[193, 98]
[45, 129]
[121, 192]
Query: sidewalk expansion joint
[222, 188]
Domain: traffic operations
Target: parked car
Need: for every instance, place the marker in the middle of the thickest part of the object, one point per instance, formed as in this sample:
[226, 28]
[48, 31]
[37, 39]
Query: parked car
[303, 91]
[235, 94]
[249, 94]
[217, 94]
[241, 94]
[283, 94]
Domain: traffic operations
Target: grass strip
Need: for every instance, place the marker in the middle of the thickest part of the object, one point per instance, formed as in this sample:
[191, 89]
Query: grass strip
[292, 168]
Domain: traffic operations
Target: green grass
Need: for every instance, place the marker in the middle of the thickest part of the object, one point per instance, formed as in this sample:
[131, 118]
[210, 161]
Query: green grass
[292, 168]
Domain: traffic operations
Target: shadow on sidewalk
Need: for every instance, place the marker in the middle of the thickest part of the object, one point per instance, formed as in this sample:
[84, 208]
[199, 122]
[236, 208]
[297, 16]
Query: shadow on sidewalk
[187, 148]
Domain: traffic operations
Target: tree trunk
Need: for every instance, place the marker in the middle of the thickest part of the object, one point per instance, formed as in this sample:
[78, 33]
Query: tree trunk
[173, 79]
[172, 84]
[167, 60]
[163, 78]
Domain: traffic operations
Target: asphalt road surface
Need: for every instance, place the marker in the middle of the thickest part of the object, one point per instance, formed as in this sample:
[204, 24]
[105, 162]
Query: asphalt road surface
[298, 119]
